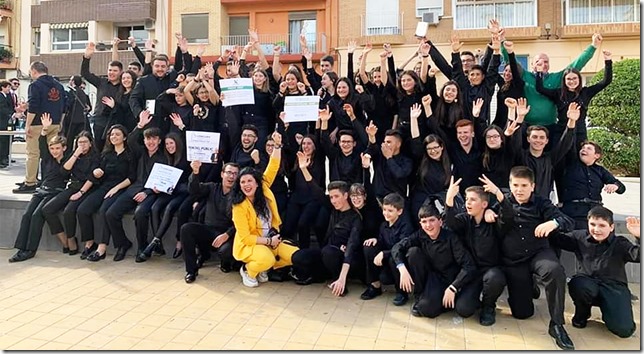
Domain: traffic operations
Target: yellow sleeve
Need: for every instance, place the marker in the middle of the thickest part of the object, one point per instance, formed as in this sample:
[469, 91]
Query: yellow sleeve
[271, 170]
[242, 225]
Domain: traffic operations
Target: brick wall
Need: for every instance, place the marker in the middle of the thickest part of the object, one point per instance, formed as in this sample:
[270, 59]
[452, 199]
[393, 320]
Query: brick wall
[65, 11]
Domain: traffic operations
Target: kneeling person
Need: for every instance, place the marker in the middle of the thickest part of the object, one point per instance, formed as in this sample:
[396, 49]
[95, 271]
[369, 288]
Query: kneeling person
[434, 262]
[377, 251]
[601, 280]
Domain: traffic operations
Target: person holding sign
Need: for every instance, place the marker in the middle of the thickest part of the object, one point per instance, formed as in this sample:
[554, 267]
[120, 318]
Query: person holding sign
[258, 243]
[167, 204]
[293, 85]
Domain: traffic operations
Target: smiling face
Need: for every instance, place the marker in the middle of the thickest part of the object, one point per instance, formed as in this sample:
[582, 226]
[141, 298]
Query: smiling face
[326, 81]
[126, 81]
[474, 205]
[338, 199]
[588, 155]
[572, 81]
[358, 200]
[434, 150]
[507, 74]
[228, 176]
[377, 77]
[538, 139]
[545, 59]
[202, 94]
[599, 228]
[117, 137]
[325, 66]
[159, 68]
[521, 188]
[170, 146]
[248, 185]
[476, 77]
[135, 69]
[152, 143]
[259, 79]
[465, 135]
[180, 98]
[432, 226]
[56, 151]
[342, 89]
[308, 146]
[407, 83]
[493, 139]
[291, 81]
[390, 213]
[248, 138]
[468, 61]
[113, 74]
[450, 93]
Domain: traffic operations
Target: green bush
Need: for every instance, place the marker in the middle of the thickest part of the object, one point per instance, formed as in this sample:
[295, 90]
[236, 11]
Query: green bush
[617, 107]
[621, 153]
[614, 116]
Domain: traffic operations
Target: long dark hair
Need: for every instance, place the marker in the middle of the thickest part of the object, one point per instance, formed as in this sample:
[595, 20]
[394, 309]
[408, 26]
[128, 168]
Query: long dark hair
[134, 77]
[418, 85]
[174, 159]
[296, 166]
[349, 98]
[108, 144]
[449, 113]
[486, 152]
[259, 201]
[564, 89]
[444, 160]
[88, 135]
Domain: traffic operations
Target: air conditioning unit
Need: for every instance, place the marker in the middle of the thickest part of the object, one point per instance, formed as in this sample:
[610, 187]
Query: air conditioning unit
[431, 18]
[148, 24]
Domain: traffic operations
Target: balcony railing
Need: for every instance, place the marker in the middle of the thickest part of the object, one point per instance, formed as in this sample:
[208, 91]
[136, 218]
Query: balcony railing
[382, 23]
[6, 5]
[290, 42]
[579, 12]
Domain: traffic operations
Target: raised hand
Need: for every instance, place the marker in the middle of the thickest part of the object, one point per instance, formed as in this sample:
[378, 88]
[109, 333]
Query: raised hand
[452, 190]
[607, 54]
[116, 41]
[538, 67]
[303, 161]
[371, 130]
[195, 165]
[195, 110]
[252, 33]
[455, 44]
[574, 112]
[488, 185]
[303, 43]
[176, 120]
[348, 109]
[277, 49]
[383, 54]
[387, 47]
[277, 138]
[324, 114]
[509, 46]
[90, 48]
[510, 102]
[496, 44]
[424, 49]
[301, 87]
[283, 87]
[477, 106]
[493, 27]
[149, 44]
[234, 69]
[351, 47]
[108, 101]
[45, 118]
[359, 89]
[415, 110]
[177, 35]
[365, 159]
[201, 50]
[367, 48]
[255, 156]
[597, 40]
[522, 109]
[633, 225]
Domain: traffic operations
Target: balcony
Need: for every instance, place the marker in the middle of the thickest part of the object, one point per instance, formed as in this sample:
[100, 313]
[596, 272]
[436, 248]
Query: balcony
[382, 27]
[6, 8]
[290, 43]
[7, 60]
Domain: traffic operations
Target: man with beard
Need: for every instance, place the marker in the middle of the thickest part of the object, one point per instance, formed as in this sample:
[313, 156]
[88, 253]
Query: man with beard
[245, 154]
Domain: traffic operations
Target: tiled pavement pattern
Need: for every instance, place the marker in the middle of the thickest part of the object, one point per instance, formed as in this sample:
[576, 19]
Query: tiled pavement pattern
[59, 302]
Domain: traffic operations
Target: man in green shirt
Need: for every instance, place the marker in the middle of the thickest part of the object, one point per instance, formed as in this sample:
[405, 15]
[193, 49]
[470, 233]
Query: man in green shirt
[543, 110]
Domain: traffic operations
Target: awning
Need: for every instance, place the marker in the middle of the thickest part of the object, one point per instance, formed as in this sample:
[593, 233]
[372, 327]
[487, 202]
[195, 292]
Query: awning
[68, 25]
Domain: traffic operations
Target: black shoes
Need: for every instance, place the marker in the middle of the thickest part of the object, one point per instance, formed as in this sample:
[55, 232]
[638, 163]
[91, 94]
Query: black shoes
[225, 268]
[154, 246]
[88, 250]
[487, 316]
[371, 293]
[121, 251]
[22, 255]
[580, 319]
[400, 299]
[95, 257]
[579, 322]
[191, 277]
[414, 310]
[300, 280]
[558, 332]
[25, 189]
[177, 253]
[72, 252]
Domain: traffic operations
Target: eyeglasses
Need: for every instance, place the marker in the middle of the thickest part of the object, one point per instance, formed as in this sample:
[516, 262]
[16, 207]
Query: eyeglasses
[82, 142]
[231, 173]
[434, 149]
[270, 145]
[346, 142]
[15, 83]
[493, 137]
[249, 136]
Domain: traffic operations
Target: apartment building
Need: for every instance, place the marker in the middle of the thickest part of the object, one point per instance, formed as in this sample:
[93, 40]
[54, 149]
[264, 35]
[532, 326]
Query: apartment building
[57, 31]
[9, 37]
[561, 28]
[222, 24]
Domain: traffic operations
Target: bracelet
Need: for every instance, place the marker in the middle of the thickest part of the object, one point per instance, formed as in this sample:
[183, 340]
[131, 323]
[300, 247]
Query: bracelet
[75, 156]
[277, 146]
[425, 56]
[81, 191]
[452, 288]
[269, 242]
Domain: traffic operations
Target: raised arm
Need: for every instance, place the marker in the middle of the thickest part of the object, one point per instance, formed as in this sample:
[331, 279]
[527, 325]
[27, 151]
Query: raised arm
[364, 78]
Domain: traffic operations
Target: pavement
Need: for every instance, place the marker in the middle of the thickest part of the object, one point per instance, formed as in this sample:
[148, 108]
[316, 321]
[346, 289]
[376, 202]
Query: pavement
[58, 302]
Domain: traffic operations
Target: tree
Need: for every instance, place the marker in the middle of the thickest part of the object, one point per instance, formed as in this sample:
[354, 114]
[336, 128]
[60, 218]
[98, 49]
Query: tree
[614, 117]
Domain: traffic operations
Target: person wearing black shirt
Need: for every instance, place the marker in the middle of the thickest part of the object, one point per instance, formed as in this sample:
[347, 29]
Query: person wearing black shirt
[217, 230]
[79, 167]
[529, 219]
[6, 113]
[246, 152]
[367, 205]
[382, 113]
[440, 268]
[510, 86]
[342, 251]
[377, 250]
[344, 158]
[78, 105]
[148, 88]
[482, 240]
[583, 181]
[601, 280]
[391, 168]
[106, 87]
[135, 196]
[116, 171]
[52, 153]
[542, 162]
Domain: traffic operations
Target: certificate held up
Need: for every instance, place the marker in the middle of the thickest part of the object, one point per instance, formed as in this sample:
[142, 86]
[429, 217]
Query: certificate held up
[301, 108]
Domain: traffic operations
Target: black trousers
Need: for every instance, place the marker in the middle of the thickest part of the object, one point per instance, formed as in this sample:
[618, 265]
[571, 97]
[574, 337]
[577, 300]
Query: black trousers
[488, 286]
[69, 208]
[32, 222]
[613, 299]
[124, 204]
[196, 235]
[301, 217]
[94, 202]
[164, 209]
[430, 286]
[98, 129]
[545, 265]
[374, 273]
[325, 263]
[71, 130]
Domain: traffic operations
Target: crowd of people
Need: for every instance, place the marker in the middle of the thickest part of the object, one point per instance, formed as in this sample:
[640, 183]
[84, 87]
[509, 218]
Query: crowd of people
[458, 207]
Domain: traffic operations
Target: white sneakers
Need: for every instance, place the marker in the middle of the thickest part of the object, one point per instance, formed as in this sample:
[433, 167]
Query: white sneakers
[262, 277]
[247, 279]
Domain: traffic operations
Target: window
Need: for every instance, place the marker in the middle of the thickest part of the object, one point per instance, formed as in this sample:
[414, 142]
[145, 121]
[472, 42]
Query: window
[382, 17]
[425, 6]
[195, 27]
[305, 23]
[35, 49]
[138, 32]
[473, 14]
[601, 11]
[69, 38]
